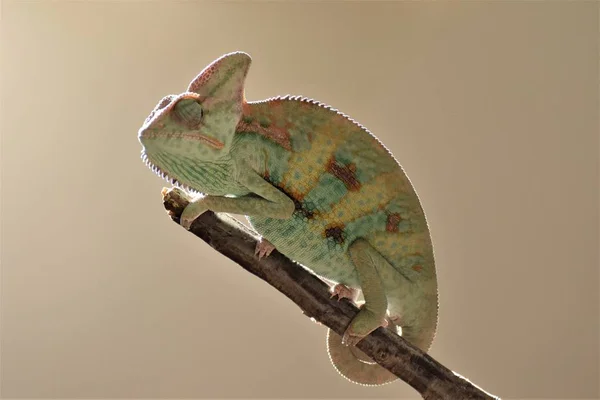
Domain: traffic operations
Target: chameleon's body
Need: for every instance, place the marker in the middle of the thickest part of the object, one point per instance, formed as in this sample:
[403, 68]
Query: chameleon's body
[316, 185]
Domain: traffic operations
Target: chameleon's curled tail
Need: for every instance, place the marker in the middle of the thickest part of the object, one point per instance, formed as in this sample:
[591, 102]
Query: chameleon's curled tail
[355, 365]
[359, 368]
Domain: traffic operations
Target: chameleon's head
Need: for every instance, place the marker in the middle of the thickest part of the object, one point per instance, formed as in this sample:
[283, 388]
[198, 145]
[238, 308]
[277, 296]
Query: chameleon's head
[199, 124]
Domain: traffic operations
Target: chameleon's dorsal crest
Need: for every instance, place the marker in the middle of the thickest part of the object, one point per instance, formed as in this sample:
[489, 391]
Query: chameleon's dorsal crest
[224, 78]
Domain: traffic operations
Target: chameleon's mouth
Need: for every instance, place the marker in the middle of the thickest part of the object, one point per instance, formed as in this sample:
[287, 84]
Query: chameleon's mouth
[195, 136]
[163, 174]
[217, 144]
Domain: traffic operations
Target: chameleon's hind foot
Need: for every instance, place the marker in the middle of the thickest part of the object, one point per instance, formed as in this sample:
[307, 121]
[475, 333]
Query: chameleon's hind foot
[344, 292]
[363, 323]
[373, 312]
[264, 248]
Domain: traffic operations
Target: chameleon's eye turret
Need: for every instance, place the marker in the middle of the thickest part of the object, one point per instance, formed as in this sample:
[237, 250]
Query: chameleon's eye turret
[189, 112]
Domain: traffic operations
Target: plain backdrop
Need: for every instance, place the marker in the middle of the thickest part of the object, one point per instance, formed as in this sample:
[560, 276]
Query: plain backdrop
[491, 108]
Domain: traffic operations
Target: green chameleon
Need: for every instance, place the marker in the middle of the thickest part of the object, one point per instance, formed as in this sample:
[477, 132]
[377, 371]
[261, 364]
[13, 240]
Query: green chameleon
[317, 186]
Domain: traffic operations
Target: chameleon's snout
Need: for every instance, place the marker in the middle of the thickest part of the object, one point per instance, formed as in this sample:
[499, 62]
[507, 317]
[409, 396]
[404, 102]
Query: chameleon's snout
[140, 135]
[147, 136]
[150, 141]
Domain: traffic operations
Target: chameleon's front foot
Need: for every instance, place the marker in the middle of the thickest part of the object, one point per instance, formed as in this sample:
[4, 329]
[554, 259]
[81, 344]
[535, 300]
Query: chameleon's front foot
[365, 322]
[264, 248]
[193, 210]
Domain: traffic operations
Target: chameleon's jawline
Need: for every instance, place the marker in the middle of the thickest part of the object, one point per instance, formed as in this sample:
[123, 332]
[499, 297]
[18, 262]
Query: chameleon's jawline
[161, 173]
[212, 142]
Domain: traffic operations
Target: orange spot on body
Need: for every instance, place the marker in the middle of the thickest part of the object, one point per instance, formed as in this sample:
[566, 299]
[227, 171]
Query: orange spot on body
[392, 222]
[279, 135]
[345, 173]
[336, 233]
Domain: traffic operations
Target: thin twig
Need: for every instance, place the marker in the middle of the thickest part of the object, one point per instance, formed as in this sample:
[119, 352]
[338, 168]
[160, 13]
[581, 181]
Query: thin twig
[237, 242]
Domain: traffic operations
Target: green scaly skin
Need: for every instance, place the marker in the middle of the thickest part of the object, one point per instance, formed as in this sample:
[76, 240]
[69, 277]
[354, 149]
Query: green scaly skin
[314, 184]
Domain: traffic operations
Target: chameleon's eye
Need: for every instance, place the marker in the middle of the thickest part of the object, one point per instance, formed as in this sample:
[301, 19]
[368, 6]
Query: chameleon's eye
[189, 112]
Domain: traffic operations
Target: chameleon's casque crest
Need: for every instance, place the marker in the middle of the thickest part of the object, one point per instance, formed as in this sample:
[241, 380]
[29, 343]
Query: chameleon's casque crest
[317, 186]
[223, 78]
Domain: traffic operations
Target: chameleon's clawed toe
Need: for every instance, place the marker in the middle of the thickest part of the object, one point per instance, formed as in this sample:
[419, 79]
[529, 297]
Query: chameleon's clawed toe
[185, 223]
[344, 292]
[350, 338]
[192, 211]
[264, 248]
[362, 325]
[186, 219]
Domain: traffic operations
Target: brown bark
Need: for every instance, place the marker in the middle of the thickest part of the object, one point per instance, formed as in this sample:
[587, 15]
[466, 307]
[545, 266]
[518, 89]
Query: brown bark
[235, 241]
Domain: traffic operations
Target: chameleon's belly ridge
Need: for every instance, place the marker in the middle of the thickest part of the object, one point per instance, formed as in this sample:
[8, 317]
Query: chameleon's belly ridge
[322, 246]
[296, 239]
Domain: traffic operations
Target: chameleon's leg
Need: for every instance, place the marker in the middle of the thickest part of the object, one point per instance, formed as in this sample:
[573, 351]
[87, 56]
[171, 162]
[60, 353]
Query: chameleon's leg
[373, 312]
[264, 248]
[344, 292]
[265, 200]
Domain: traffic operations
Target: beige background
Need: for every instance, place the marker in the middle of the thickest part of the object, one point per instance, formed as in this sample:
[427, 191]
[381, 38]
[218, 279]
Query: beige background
[492, 108]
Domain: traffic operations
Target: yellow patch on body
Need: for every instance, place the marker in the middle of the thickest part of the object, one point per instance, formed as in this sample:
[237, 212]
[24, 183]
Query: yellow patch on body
[357, 204]
[306, 168]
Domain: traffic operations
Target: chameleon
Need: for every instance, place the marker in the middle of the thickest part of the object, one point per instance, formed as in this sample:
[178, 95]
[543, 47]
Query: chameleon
[317, 186]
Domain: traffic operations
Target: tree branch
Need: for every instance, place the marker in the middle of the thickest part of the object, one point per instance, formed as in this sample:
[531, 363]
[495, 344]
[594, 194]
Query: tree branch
[234, 240]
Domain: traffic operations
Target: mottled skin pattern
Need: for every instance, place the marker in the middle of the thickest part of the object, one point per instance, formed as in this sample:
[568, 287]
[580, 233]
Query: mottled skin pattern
[317, 186]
